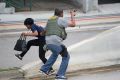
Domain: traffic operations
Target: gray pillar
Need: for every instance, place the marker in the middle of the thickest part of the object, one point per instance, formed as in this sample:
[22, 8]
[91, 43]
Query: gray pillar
[77, 3]
[4, 10]
[90, 5]
[86, 5]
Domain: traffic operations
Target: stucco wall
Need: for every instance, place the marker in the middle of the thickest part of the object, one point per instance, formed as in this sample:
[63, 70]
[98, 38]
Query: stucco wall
[86, 5]
[77, 3]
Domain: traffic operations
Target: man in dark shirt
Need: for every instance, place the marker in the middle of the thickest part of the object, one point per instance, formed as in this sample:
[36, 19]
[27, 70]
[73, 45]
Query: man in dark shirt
[40, 41]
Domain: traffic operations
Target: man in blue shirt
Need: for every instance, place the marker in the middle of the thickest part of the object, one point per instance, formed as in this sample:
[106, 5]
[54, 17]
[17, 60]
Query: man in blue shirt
[40, 41]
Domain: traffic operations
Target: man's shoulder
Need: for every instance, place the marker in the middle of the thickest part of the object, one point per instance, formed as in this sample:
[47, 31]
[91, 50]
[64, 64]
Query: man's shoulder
[37, 27]
[61, 18]
[62, 22]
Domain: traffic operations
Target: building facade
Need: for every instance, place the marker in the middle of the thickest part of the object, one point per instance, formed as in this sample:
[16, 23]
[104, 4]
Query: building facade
[84, 5]
[89, 5]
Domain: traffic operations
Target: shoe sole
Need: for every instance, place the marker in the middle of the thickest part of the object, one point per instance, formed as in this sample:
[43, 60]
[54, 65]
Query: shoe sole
[18, 57]
[60, 79]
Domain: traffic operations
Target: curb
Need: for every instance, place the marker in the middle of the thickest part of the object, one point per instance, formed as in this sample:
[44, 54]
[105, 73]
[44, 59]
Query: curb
[69, 30]
[14, 27]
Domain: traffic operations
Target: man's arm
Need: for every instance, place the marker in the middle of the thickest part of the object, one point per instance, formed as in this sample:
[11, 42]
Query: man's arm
[35, 33]
[72, 20]
[71, 23]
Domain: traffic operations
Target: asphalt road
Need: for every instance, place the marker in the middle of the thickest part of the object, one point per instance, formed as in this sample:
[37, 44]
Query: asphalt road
[7, 42]
[112, 75]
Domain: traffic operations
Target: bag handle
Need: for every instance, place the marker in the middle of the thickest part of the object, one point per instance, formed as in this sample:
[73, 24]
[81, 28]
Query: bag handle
[22, 37]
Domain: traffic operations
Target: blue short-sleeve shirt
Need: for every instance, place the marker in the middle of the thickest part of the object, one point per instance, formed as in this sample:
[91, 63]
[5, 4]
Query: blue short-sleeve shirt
[38, 29]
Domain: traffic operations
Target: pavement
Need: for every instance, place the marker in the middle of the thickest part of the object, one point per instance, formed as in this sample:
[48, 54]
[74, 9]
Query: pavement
[108, 73]
[14, 22]
[105, 11]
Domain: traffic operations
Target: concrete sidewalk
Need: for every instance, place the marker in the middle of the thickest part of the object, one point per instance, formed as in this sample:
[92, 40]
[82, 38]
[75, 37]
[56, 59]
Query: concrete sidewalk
[16, 75]
[15, 21]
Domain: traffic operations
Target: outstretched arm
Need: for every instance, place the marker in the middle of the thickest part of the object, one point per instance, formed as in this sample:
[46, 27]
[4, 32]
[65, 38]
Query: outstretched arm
[72, 20]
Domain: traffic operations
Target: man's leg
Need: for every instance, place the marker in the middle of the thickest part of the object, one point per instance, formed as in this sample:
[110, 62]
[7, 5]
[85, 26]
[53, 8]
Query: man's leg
[42, 54]
[30, 43]
[55, 52]
[64, 63]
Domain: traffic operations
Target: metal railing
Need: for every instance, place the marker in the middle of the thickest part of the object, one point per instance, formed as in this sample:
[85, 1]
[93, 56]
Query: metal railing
[32, 5]
[19, 4]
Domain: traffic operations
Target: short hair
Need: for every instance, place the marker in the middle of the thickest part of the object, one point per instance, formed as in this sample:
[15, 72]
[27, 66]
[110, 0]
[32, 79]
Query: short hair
[58, 12]
[28, 21]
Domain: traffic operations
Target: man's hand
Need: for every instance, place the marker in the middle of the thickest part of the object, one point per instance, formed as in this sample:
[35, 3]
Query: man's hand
[23, 34]
[43, 33]
[73, 12]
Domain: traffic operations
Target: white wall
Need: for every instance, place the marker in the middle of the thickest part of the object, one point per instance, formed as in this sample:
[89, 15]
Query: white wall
[86, 5]
[4, 10]
[77, 3]
[2, 7]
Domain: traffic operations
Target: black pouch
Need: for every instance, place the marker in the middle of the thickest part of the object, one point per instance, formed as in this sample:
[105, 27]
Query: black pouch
[20, 44]
[64, 52]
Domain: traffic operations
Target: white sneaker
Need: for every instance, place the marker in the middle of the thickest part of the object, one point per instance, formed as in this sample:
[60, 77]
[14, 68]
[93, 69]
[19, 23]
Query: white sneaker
[60, 78]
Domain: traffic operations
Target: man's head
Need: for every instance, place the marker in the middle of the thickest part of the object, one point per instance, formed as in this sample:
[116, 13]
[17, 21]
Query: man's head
[58, 12]
[28, 23]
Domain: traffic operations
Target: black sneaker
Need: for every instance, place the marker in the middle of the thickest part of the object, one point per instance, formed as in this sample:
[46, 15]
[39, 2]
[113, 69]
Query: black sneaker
[18, 56]
[51, 72]
[44, 73]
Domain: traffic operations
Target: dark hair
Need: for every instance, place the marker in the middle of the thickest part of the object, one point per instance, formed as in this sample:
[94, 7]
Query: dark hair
[58, 12]
[28, 21]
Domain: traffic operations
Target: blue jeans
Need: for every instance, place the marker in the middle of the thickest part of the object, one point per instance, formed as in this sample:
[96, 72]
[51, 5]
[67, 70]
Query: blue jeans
[55, 52]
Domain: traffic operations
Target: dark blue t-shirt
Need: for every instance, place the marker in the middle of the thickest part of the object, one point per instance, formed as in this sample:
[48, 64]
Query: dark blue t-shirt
[38, 29]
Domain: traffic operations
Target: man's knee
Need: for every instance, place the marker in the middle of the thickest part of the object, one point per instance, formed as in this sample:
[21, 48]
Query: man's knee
[29, 42]
[64, 52]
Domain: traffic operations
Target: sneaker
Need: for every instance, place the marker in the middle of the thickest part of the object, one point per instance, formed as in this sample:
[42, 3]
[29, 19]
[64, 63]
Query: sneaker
[61, 78]
[51, 72]
[18, 56]
[43, 72]
[44, 75]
